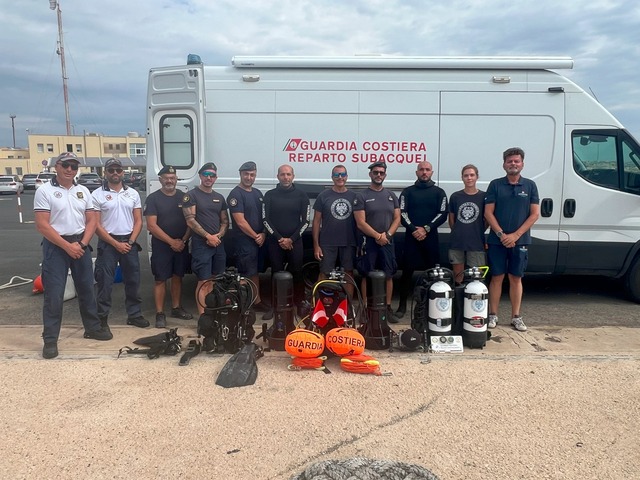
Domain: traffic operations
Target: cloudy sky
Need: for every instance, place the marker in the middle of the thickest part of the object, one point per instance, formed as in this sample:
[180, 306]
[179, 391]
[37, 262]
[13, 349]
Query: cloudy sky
[110, 47]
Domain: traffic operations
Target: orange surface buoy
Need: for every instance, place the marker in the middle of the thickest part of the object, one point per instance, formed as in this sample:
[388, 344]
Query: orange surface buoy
[304, 343]
[37, 285]
[344, 341]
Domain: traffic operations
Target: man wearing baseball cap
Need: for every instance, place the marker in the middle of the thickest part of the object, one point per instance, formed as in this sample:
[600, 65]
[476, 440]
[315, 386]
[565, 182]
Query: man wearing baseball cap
[66, 218]
[169, 244]
[205, 211]
[245, 205]
[377, 214]
[120, 224]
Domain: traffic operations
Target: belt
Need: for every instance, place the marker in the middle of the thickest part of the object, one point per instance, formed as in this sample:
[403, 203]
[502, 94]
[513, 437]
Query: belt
[73, 238]
[121, 238]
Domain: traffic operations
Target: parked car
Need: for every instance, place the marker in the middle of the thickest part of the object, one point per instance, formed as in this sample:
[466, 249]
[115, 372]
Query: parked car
[142, 184]
[132, 179]
[29, 181]
[43, 178]
[90, 180]
[11, 184]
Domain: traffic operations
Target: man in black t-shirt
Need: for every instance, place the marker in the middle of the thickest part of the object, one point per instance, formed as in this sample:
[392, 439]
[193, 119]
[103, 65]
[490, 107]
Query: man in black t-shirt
[466, 220]
[170, 234]
[206, 213]
[334, 228]
[245, 205]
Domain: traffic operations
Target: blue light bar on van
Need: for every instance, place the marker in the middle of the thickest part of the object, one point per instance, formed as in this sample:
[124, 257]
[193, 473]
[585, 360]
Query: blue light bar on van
[193, 59]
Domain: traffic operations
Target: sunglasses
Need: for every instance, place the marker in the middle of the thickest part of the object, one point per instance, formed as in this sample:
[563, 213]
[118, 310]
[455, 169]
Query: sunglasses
[339, 175]
[115, 170]
[378, 172]
[209, 174]
[71, 165]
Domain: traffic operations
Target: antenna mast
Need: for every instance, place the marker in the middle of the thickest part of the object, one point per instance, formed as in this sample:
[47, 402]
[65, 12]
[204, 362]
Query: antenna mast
[55, 5]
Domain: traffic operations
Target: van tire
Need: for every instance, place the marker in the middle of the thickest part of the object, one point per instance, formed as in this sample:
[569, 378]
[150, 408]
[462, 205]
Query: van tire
[632, 280]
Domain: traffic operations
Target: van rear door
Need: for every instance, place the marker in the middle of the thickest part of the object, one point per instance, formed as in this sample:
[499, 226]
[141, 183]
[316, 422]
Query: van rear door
[176, 122]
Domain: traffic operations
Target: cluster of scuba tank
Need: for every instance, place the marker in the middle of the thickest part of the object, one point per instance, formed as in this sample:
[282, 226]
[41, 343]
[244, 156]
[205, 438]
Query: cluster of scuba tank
[439, 309]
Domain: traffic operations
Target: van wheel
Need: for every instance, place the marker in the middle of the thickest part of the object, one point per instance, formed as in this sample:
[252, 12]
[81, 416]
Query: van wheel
[632, 280]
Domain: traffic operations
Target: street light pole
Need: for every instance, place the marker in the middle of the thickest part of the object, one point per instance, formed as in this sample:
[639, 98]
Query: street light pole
[55, 5]
[13, 129]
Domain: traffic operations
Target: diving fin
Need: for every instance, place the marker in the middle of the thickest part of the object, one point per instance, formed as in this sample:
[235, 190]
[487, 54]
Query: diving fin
[241, 369]
[160, 338]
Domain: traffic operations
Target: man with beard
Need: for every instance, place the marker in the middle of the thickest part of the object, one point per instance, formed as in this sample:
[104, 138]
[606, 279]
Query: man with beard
[333, 228]
[120, 224]
[423, 208]
[512, 206]
[169, 243]
[286, 217]
[245, 205]
[377, 216]
[66, 218]
[205, 211]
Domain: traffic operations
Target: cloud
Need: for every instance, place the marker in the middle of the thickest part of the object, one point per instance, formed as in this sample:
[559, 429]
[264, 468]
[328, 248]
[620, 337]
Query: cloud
[111, 47]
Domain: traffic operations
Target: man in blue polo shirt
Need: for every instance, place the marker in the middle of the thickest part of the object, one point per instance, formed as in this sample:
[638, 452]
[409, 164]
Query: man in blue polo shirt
[512, 206]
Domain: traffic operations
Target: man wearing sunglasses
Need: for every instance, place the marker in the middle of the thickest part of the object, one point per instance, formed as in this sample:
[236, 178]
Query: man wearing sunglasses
[333, 228]
[66, 218]
[377, 215]
[120, 214]
[205, 211]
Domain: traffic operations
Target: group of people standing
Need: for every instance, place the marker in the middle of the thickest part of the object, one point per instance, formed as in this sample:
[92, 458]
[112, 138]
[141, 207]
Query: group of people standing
[350, 229]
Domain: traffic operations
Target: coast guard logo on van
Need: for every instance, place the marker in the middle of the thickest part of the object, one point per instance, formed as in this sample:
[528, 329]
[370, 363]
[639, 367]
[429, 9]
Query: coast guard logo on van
[292, 145]
[341, 209]
[468, 212]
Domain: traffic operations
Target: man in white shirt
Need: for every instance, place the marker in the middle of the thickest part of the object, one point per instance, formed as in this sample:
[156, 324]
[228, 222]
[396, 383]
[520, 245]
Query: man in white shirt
[66, 218]
[120, 223]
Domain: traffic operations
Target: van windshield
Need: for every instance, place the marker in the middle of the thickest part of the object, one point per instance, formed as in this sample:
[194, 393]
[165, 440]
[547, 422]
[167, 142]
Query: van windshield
[608, 158]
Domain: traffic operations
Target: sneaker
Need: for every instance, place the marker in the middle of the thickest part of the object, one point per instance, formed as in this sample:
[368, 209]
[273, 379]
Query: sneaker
[139, 322]
[50, 350]
[161, 320]
[400, 313]
[493, 321]
[518, 324]
[101, 334]
[180, 312]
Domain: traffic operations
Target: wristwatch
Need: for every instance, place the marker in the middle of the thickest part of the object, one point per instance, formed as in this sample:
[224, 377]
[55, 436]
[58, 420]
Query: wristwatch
[500, 234]
[84, 247]
[130, 242]
[388, 235]
[427, 228]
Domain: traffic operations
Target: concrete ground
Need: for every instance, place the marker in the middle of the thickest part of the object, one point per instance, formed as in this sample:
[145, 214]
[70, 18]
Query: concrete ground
[556, 403]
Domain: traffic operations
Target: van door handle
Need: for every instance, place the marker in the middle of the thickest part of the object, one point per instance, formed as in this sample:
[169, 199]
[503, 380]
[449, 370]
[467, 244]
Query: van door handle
[546, 207]
[569, 209]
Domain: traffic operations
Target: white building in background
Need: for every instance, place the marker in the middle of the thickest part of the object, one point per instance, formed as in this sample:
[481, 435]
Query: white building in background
[93, 150]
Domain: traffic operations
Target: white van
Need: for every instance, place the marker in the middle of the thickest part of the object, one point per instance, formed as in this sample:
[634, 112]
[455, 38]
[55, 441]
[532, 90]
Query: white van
[316, 112]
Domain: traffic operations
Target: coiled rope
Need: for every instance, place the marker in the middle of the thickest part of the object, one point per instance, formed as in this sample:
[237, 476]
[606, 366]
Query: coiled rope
[364, 469]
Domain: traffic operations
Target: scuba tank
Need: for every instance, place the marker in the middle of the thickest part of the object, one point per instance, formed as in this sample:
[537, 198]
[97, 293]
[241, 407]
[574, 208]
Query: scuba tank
[440, 304]
[283, 311]
[376, 332]
[476, 307]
